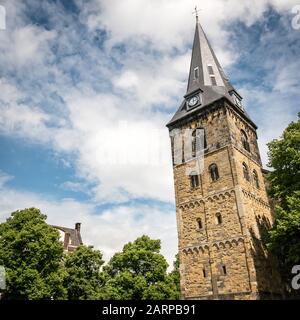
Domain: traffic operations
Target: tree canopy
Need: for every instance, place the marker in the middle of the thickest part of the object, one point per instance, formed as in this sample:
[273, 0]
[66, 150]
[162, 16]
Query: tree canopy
[139, 272]
[84, 279]
[284, 158]
[283, 239]
[37, 267]
[32, 254]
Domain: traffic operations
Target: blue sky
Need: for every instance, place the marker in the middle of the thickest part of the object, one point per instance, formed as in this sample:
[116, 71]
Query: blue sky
[86, 88]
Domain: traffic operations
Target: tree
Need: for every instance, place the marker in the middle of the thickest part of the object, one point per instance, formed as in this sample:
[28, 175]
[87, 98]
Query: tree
[283, 239]
[139, 272]
[175, 276]
[32, 254]
[169, 289]
[284, 158]
[84, 279]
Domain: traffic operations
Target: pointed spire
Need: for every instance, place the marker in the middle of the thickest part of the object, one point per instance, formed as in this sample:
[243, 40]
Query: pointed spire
[207, 82]
[205, 69]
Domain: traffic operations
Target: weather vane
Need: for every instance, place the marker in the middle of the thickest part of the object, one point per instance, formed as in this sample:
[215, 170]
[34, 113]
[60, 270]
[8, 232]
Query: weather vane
[196, 13]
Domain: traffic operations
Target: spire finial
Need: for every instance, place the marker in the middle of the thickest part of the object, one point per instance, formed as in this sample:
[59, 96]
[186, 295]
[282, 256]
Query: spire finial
[196, 13]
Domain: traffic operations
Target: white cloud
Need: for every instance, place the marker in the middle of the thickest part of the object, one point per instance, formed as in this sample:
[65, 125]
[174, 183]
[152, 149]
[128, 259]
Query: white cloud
[9, 93]
[4, 178]
[148, 83]
[25, 45]
[128, 158]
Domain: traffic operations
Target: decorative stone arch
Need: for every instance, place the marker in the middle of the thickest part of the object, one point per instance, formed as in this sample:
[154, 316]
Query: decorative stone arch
[190, 251]
[186, 206]
[222, 245]
[210, 199]
[196, 251]
[215, 198]
[228, 244]
[240, 240]
[201, 250]
[234, 243]
[216, 246]
[227, 194]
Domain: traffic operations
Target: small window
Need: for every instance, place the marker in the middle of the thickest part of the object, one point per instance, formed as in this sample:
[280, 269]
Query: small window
[194, 180]
[213, 80]
[255, 179]
[218, 218]
[196, 73]
[194, 142]
[199, 223]
[246, 172]
[224, 270]
[210, 70]
[214, 172]
[204, 272]
[205, 143]
[245, 141]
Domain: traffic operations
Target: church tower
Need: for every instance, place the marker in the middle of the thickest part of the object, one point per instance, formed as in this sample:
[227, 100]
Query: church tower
[222, 210]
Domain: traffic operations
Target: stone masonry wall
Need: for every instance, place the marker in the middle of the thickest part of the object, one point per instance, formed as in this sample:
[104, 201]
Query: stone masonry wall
[227, 259]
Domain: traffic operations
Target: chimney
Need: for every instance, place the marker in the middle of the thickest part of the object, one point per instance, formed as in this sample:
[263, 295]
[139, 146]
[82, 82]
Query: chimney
[66, 240]
[77, 226]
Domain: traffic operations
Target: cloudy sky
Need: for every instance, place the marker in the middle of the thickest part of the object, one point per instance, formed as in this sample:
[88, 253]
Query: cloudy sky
[86, 88]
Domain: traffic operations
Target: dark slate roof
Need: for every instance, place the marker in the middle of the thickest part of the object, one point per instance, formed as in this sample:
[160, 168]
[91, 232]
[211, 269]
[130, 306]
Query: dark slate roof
[75, 235]
[204, 57]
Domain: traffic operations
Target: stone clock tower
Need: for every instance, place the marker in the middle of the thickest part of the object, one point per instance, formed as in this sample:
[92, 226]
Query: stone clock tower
[223, 210]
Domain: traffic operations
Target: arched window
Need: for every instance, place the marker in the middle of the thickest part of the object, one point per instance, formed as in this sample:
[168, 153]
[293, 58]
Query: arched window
[255, 179]
[204, 273]
[199, 223]
[194, 180]
[245, 141]
[214, 172]
[246, 171]
[218, 218]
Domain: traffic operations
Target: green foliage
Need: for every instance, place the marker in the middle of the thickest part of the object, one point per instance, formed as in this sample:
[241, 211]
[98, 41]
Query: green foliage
[37, 268]
[283, 239]
[32, 255]
[284, 158]
[84, 279]
[175, 277]
[139, 272]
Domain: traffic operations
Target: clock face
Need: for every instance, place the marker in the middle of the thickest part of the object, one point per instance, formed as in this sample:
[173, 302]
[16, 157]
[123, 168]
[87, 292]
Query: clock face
[193, 101]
